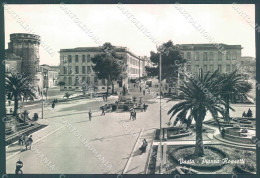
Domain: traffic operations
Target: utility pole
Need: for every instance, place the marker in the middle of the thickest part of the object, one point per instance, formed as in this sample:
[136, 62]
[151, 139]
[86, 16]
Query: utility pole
[160, 70]
[42, 106]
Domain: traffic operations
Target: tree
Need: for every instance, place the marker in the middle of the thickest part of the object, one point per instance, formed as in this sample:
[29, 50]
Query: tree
[17, 86]
[61, 83]
[170, 56]
[108, 65]
[196, 102]
[233, 84]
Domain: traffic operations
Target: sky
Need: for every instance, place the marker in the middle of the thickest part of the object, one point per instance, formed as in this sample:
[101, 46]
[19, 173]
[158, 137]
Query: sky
[109, 23]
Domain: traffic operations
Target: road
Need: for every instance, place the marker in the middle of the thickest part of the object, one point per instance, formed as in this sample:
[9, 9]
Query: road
[109, 137]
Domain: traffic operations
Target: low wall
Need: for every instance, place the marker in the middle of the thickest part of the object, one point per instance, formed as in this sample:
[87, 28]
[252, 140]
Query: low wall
[234, 138]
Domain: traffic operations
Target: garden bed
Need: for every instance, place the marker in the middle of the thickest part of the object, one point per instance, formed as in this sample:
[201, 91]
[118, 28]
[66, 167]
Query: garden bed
[233, 154]
[212, 160]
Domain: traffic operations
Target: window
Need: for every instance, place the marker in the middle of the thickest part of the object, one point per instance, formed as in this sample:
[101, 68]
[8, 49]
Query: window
[70, 81]
[77, 58]
[83, 79]
[211, 56]
[234, 56]
[88, 57]
[197, 56]
[65, 60]
[95, 80]
[205, 68]
[220, 68]
[188, 55]
[228, 56]
[211, 68]
[69, 59]
[77, 69]
[228, 68]
[88, 80]
[76, 80]
[103, 82]
[70, 70]
[83, 70]
[89, 70]
[205, 56]
[65, 70]
[83, 58]
[65, 80]
[219, 56]
[182, 54]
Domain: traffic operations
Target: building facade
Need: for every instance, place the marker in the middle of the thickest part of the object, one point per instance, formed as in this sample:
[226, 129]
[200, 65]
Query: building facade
[209, 58]
[75, 68]
[248, 65]
[22, 57]
[13, 63]
[50, 75]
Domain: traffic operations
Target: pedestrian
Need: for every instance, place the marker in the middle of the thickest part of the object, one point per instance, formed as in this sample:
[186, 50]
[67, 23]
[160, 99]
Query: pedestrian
[140, 89]
[244, 114]
[11, 110]
[19, 165]
[21, 139]
[53, 105]
[143, 92]
[134, 115]
[9, 102]
[249, 113]
[89, 115]
[28, 142]
[106, 96]
[103, 110]
[131, 114]
[144, 107]
[103, 97]
[134, 85]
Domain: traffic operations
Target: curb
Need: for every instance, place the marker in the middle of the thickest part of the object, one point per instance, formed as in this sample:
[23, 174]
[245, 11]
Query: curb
[149, 154]
[131, 156]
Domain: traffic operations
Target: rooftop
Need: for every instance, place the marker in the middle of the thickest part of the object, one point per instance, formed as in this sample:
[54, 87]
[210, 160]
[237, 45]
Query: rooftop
[98, 49]
[208, 46]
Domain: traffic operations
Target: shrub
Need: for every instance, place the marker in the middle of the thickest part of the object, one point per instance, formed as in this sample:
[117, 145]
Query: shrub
[125, 108]
[114, 107]
[35, 116]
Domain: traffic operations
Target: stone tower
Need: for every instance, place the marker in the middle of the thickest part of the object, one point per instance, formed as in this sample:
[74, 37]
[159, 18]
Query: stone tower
[26, 46]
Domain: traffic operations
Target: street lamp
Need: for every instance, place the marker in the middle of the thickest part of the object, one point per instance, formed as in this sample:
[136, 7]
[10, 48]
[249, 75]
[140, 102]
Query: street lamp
[160, 74]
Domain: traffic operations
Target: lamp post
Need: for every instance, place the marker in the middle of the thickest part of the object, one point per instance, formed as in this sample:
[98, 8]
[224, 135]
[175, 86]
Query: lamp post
[42, 106]
[160, 80]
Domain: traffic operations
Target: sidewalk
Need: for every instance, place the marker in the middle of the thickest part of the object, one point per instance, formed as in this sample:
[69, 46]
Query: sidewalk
[138, 161]
[14, 148]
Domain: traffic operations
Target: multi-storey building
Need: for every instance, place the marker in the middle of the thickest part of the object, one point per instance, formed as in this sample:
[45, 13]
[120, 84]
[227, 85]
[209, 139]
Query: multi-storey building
[75, 67]
[50, 74]
[248, 65]
[209, 58]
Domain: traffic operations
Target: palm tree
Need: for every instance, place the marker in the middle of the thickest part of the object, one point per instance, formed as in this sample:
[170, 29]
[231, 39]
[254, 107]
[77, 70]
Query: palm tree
[17, 86]
[199, 95]
[233, 84]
